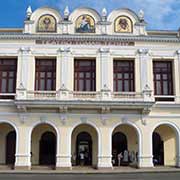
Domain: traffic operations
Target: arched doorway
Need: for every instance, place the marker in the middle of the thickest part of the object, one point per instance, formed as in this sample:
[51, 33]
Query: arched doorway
[158, 149]
[47, 152]
[10, 148]
[119, 145]
[164, 148]
[43, 146]
[8, 144]
[125, 146]
[84, 146]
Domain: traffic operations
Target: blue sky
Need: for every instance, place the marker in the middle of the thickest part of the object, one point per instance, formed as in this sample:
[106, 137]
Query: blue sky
[160, 14]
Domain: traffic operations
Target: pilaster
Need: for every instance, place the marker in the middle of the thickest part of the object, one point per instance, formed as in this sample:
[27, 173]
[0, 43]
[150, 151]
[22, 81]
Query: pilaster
[63, 157]
[106, 69]
[145, 157]
[105, 151]
[23, 155]
[64, 69]
[23, 72]
[177, 75]
[143, 63]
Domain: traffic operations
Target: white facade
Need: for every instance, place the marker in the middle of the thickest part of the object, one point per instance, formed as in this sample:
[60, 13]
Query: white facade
[67, 112]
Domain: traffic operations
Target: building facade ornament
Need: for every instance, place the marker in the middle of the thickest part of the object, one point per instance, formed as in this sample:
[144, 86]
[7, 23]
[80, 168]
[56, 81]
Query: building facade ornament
[28, 13]
[141, 15]
[66, 13]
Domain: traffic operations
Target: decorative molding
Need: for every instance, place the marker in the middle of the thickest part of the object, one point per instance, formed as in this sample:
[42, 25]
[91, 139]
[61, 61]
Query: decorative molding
[104, 50]
[83, 119]
[63, 118]
[143, 51]
[22, 118]
[63, 109]
[105, 110]
[64, 50]
[104, 119]
[25, 50]
[21, 108]
[43, 119]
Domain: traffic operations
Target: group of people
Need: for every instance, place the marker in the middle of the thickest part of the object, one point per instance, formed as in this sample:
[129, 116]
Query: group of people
[124, 158]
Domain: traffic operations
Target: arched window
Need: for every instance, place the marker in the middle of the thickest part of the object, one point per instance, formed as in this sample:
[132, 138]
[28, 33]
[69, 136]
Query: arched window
[85, 24]
[47, 23]
[123, 24]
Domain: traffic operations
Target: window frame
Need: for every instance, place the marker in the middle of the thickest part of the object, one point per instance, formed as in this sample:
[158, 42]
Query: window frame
[8, 68]
[87, 69]
[39, 68]
[131, 70]
[169, 80]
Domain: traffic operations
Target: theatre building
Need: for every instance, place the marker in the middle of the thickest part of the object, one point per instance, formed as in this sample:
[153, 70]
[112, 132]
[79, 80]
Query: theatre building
[89, 89]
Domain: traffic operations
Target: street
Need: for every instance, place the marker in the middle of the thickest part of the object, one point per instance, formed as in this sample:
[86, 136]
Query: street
[132, 176]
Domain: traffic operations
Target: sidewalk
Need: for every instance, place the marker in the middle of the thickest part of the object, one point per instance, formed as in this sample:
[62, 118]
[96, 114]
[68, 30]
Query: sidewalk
[80, 170]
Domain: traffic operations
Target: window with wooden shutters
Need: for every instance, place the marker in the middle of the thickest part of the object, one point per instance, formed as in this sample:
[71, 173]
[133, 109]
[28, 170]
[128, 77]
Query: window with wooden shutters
[45, 75]
[163, 78]
[85, 75]
[8, 71]
[124, 76]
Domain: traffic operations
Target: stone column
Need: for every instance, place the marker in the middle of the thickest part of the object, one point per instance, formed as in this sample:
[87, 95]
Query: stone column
[177, 76]
[144, 75]
[64, 79]
[23, 72]
[145, 148]
[23, 155]
[105, 147]
[63, 158]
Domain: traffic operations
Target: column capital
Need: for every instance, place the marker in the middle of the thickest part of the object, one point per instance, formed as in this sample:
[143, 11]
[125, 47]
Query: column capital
[104, 50]
[143, 51]
[25, 49]
[64, 50]
[178, 52]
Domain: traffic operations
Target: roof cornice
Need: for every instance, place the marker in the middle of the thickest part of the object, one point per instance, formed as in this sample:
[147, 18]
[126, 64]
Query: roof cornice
[79, 37]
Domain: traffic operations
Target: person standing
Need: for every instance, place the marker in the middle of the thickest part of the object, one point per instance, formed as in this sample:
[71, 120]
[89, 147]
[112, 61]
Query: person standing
[120, 156]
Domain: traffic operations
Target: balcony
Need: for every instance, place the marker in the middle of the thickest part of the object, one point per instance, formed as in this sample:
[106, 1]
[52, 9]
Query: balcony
[95, 100]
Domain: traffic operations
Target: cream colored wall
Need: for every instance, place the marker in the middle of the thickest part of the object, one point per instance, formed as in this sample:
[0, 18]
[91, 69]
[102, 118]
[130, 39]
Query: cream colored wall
[93, 133]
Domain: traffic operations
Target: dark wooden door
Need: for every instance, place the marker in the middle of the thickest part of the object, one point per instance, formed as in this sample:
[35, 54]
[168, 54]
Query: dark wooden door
[47, 152]
[10, 148]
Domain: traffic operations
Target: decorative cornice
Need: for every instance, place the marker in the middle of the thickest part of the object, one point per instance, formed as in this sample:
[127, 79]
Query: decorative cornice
[79, 37]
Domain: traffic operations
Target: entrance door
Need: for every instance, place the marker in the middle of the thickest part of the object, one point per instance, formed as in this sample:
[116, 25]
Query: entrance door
[119, 145]
[10, 148]
[158, 149]
[84, 149]
[47, 152]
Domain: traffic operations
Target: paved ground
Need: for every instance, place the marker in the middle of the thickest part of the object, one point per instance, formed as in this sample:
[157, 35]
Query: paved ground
[132, 176]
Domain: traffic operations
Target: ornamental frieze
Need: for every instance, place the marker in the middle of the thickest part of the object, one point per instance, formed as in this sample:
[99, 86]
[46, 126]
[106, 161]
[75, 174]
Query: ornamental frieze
[75, 42]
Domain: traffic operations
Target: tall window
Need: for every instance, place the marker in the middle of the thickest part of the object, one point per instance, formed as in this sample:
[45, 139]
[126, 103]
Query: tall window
[45, 75]
[124, 76]
[8, 70]
[85, 75]
[163, 81]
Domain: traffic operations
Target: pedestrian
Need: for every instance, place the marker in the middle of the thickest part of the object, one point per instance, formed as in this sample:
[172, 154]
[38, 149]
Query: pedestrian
[120, 156]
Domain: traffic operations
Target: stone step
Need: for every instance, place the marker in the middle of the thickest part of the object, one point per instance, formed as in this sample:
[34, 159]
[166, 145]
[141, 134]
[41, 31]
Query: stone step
[6, 167]
[43, 167]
